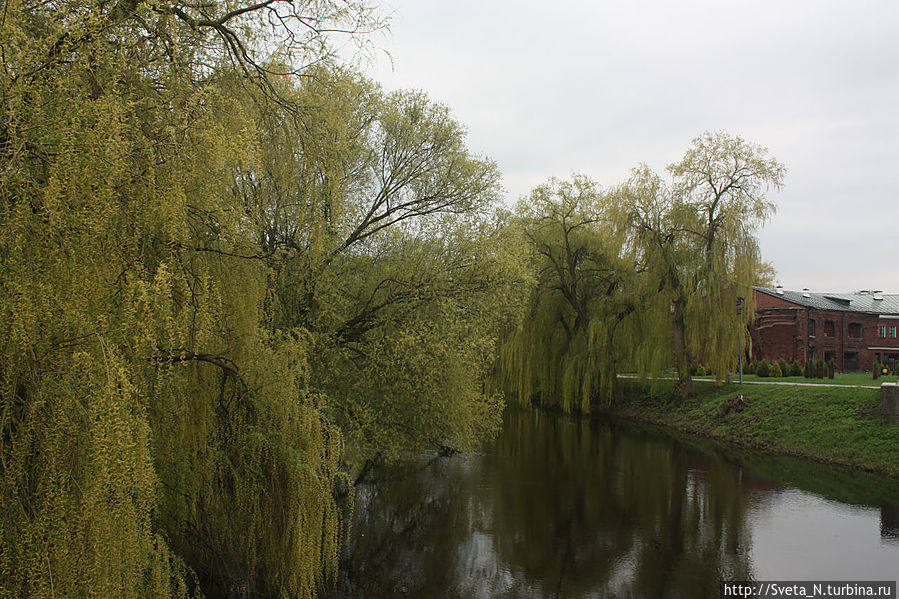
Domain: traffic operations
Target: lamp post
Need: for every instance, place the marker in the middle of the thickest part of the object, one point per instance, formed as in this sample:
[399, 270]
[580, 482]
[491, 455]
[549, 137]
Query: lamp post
[740, 300]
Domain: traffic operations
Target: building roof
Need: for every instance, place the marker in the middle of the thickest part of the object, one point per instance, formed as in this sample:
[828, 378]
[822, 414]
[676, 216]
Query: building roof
[868, 303]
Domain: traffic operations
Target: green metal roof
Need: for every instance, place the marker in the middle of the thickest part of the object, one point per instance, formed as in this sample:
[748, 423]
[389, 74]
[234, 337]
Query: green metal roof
[867, 303]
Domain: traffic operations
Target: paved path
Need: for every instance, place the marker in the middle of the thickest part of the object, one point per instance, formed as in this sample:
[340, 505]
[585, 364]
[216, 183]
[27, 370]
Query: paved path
[788, 384]
[796, 384]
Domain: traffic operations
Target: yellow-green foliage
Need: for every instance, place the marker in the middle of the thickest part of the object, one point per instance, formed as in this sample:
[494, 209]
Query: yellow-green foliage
[156, 432]
[402, 272]
[211, 276]
[697, 237]
[565, 348]
[415, 337]
[643, 277]
[79, 486]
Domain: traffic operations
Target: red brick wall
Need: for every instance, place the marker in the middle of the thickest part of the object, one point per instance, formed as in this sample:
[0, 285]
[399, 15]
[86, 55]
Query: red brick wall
[780, 329]
[776, 333]
[763, 300]
[873, 340]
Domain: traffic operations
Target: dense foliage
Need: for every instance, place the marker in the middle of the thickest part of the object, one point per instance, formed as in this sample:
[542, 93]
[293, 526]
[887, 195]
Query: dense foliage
[643, 276]
[234, 270]
[568, 343]
[224, 259]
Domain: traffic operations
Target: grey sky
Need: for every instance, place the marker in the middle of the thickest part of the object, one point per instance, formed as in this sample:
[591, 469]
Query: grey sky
[547, 89]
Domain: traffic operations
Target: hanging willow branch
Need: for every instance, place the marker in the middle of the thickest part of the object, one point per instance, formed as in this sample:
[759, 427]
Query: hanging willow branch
[181, 355]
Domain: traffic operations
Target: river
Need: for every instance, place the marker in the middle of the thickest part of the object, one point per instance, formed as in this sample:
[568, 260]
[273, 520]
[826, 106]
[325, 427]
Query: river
[568, 507]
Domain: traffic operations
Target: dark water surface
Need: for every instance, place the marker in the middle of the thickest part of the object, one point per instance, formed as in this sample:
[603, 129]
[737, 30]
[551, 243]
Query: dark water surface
[561, 507]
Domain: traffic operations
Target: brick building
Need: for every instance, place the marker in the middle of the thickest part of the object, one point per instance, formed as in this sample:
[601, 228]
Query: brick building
[853, 329]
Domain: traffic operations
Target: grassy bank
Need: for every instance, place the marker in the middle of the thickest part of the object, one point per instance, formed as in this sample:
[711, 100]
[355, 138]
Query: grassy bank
[827, 424]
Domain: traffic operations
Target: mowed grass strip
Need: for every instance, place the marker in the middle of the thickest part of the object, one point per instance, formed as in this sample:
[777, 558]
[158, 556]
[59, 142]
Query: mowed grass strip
[846, 378]
[827, 424]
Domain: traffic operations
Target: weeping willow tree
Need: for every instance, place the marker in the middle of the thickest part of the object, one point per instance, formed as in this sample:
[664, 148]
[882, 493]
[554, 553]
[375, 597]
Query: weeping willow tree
[382, 230]
[641, 276]
[696, 238]
[220, 263]
[159, 435]
[416, 337]
[565, 349]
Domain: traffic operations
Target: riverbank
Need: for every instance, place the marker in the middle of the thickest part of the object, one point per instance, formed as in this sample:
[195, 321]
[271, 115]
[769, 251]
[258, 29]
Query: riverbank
[832, 425]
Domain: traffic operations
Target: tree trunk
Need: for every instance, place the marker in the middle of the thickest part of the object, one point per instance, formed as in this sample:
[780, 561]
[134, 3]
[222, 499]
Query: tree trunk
[684, 387]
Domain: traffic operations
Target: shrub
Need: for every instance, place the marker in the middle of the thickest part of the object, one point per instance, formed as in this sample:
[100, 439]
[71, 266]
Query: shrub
[831, 368]
[775, 370]
[875, 373]
[762, 369]
[795, 369]
[820, 368]
[784, 367]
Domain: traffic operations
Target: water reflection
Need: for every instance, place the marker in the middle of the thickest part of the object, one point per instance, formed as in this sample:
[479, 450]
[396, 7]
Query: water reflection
[563, 507]
[889, 522]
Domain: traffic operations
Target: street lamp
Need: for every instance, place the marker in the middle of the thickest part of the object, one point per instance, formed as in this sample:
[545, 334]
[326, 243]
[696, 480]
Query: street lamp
[740, 300]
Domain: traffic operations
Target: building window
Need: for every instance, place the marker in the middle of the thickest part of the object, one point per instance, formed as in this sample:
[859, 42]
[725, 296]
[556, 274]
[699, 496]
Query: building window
[811, 328]
[881, 331]
[850, 360]
[855, 330]
[892, 332]
[828, 328]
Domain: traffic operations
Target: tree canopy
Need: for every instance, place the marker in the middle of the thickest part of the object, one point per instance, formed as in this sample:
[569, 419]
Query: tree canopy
[229, 264]
[642, 276]
[565, 349]
[234, 269]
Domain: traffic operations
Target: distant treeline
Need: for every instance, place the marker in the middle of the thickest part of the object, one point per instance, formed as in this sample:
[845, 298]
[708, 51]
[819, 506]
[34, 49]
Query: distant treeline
[232, 270]
[641, 276]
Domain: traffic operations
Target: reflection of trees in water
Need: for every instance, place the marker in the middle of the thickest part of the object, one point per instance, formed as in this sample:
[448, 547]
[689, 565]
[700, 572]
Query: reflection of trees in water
[618, 514]
[408, 519]
[559, 508]
[889, 522]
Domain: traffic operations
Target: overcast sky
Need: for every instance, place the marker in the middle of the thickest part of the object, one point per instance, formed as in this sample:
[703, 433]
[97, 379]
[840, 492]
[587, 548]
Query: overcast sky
[550, 88]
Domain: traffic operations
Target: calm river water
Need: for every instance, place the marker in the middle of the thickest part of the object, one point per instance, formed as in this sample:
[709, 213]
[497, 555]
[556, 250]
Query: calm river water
[562, 507]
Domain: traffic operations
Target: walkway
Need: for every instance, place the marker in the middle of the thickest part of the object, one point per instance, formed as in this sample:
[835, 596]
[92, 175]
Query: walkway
[789, 384]
[786, 383]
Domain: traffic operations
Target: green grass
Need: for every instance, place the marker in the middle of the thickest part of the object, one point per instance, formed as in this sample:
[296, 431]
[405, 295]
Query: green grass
[827, 424]
[847, 378]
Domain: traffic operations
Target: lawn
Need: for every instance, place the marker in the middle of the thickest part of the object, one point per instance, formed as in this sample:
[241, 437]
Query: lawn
[847, 378]
[828, 424]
